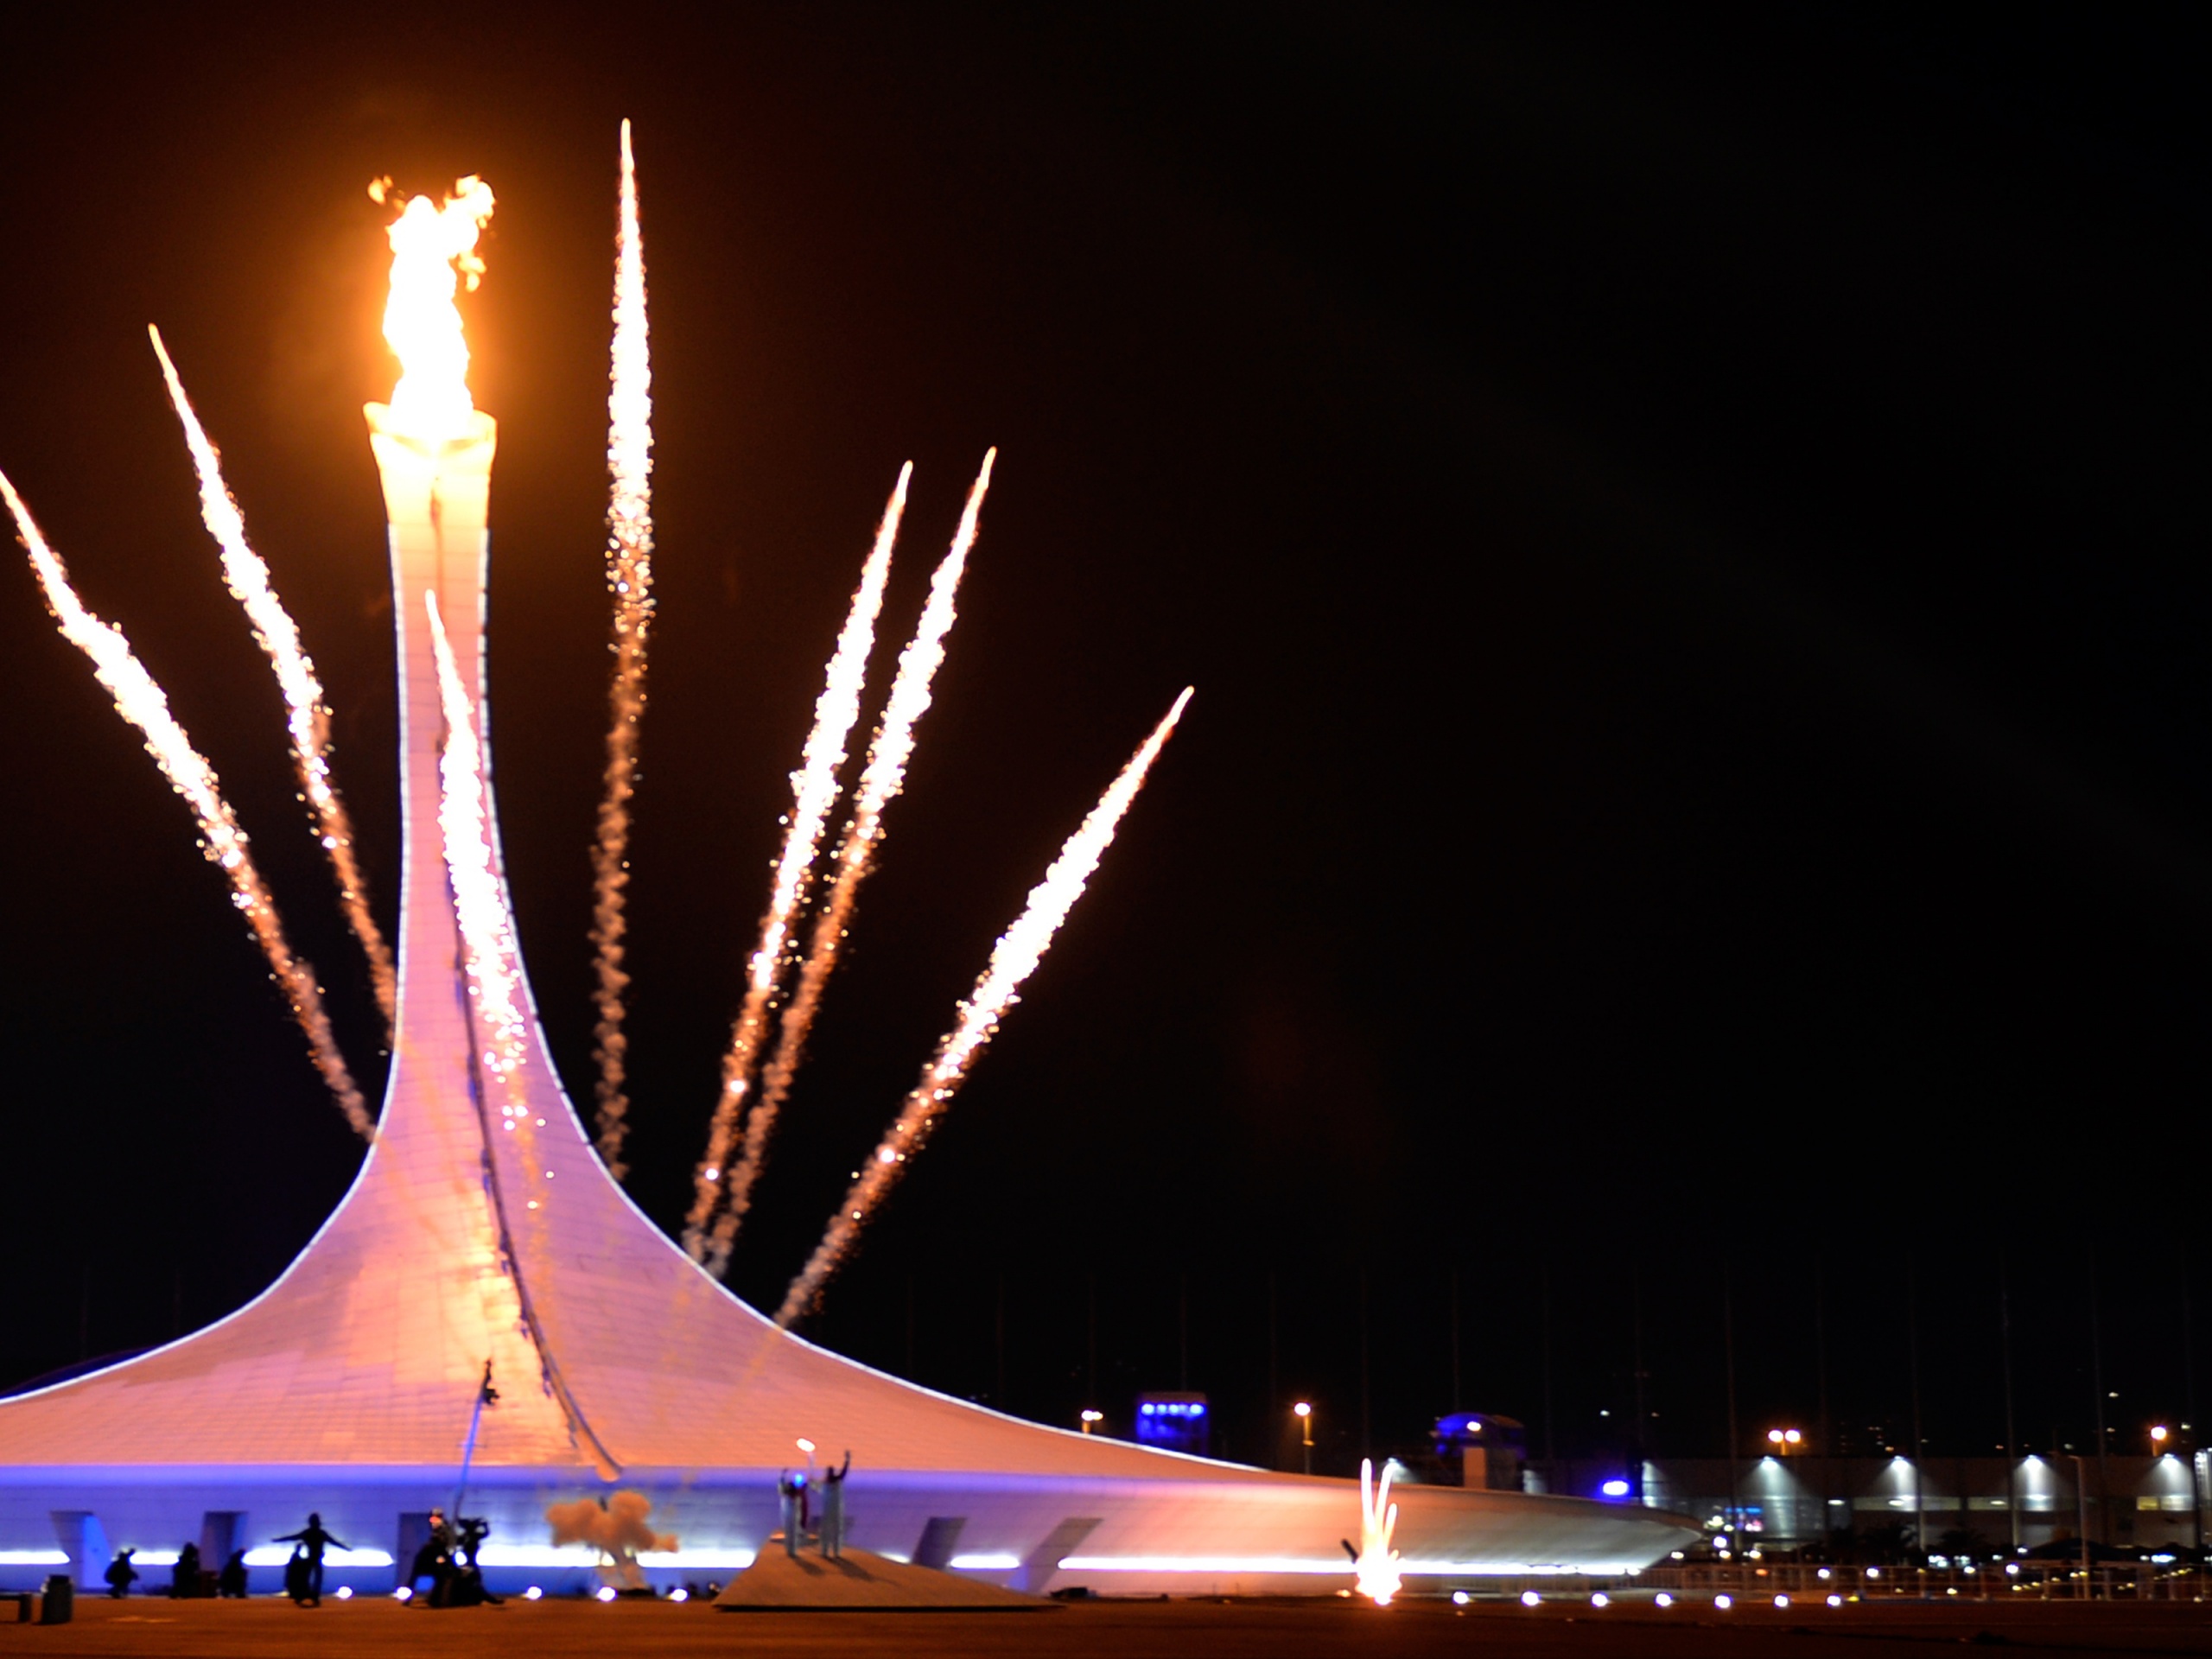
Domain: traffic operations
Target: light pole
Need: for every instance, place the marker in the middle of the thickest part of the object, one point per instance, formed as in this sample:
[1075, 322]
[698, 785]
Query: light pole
[1304, 1411]
[2082, 1517]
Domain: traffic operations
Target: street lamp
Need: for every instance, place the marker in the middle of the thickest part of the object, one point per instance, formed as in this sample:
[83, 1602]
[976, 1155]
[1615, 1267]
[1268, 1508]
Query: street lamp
[2158, 1440]
[1091, 1418]
[1304, 1411]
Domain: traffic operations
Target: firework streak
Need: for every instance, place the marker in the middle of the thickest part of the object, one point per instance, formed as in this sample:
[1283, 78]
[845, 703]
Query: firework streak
[487, 942]
[307, 718]
[139, 701]
[814, 791]
[893, 745]
[629, 575]
[1015, 957]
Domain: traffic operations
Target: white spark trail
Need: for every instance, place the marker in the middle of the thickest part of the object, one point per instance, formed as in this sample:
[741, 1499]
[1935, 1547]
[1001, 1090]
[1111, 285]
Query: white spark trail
[307, 718]
[1015, 957]
[880, 783]
[489, 954]
[1376, 1567]
[629, 577]
[141, 702]
[814, 791]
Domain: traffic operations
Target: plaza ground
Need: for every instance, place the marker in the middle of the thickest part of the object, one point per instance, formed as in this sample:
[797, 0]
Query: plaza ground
[154, 1628]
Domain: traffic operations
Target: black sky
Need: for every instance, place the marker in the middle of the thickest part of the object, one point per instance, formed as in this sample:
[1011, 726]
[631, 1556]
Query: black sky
[1679, 521]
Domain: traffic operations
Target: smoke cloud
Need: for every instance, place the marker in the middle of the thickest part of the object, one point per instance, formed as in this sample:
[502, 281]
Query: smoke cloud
[615, 1527]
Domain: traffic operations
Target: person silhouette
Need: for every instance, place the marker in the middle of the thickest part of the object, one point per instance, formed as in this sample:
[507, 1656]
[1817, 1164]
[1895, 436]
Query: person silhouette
[184, 1577]
[791, 1489]
[230, 1582]
[833, 1508]
[312, 1541]
[120, 1573]
[465, 1583]
[434, 1561]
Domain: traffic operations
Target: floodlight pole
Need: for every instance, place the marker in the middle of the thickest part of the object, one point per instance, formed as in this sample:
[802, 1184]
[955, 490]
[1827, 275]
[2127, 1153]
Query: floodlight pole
[485, 1394]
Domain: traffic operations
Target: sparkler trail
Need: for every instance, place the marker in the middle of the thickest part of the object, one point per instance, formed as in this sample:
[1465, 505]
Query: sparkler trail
[1014, 958]
[884, 776]
[489, 953]
[814, 791]
[306, 717]
[629, 575]
[140, 701]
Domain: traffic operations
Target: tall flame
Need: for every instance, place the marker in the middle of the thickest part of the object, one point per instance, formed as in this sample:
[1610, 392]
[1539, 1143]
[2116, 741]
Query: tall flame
[1376, 1567]
[884, 776]
[307, 718]
[1015, 957]
[814, 791]
[629, 575]
[433, 252]
[140, 701]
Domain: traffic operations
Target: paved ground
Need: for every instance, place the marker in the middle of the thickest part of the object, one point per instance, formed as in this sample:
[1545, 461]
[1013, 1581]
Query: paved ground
[149, 1629]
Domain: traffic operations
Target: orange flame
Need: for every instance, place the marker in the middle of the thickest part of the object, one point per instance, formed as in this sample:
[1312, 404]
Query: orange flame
[433, 252]
[1015, 957]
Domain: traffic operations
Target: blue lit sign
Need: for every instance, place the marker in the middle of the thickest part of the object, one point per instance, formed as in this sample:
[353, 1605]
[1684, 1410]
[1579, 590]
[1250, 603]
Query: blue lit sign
[1176, 1422]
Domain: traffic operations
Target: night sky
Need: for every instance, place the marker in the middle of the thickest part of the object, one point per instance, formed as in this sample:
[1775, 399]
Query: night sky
[1679, 521]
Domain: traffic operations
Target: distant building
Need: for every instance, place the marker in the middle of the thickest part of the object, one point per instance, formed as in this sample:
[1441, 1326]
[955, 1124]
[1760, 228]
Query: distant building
[1806, 1498]
[1480, 1449]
